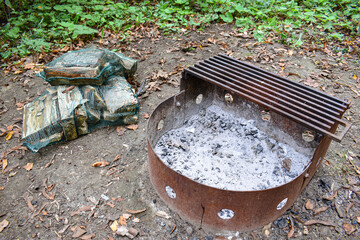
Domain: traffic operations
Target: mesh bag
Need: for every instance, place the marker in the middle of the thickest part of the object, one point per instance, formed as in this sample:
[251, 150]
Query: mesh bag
[87, 66]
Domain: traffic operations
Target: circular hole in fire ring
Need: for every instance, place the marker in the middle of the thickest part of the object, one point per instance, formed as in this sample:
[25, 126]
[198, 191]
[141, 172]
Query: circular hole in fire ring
[160, 125]
[265, 115]
[199, 99]
[282, 204]
[308, 136]
[229, 98]
[226, 214]
[170, 192]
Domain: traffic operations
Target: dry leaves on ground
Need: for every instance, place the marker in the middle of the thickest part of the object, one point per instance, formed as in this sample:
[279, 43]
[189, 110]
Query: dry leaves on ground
[132, 127]
[3, 224]
[322, 222]
[117, 157]
[100, 164]
[162, 214]
[135, 211]
[310, 82]
[78, 231]
[321, 209]
[310, 204]
[349, 228]
[82, 209]
[28, 166]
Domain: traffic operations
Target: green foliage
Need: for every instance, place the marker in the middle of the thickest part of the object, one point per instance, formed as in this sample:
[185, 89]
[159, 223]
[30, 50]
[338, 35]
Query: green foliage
[40, 25]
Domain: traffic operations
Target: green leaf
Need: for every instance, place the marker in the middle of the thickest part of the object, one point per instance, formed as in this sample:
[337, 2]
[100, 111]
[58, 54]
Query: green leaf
[299, 42]
[82, 30]
[227, 17]
[259, 35]
[337, 36]
[61, 8]
[8, 4]
[13, 33]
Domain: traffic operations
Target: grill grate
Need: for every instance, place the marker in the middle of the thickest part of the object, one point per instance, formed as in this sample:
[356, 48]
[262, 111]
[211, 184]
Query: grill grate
[307, 106]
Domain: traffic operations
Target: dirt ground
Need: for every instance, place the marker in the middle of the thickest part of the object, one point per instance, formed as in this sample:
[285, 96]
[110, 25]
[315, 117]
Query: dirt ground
[56, 198]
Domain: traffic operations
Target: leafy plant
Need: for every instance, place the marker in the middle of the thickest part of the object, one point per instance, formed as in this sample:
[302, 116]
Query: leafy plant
[40, 25]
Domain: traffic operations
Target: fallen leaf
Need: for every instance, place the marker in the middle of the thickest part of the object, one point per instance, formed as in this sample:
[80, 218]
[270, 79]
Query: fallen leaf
[88, 236]
[3, 132]
[9, 135]
[321, 209]
[348, 209]
[38, 212]
[28, 166]
[309, 205]
[20, 105]
[322, 222]
[311, 82]
[330, 198]
[120, 130]
[50, 197]
[286, 163]
[78, 232]
[132, 127]
[162, 214]
[291, 232]
[136, 220]
[117, 157]
[133, 232]
[135, 211]
[123, 231]
[114, 226]
[126, 215]
[63, 229]
[349, 228]
[81, 209]
[44, 212]
[294, 74]
[2, 188]
[290, 52]
[29, 204]
[122, 221]
[4, 164]
[146, 115]
[12, 174]
[3, 224]
[29, 66]
[100, 164]
[50, 187]
[110, 204]
[211, 40]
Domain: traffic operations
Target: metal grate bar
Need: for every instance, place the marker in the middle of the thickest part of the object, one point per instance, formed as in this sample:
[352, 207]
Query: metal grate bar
[256, 96]
[274, 93]
[312, 93]
[296, 101]
[279, 88]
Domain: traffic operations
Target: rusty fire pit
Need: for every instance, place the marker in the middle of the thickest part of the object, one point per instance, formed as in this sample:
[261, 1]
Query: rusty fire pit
[285, 110]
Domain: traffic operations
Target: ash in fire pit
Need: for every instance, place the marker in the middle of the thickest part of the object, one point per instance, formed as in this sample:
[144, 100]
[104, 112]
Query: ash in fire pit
[216, 149]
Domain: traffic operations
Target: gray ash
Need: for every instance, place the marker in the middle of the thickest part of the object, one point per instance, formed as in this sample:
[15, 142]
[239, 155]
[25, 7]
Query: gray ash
[216, 149]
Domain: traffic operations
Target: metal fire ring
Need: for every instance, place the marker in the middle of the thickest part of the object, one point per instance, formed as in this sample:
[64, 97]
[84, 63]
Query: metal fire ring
[201, 204]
